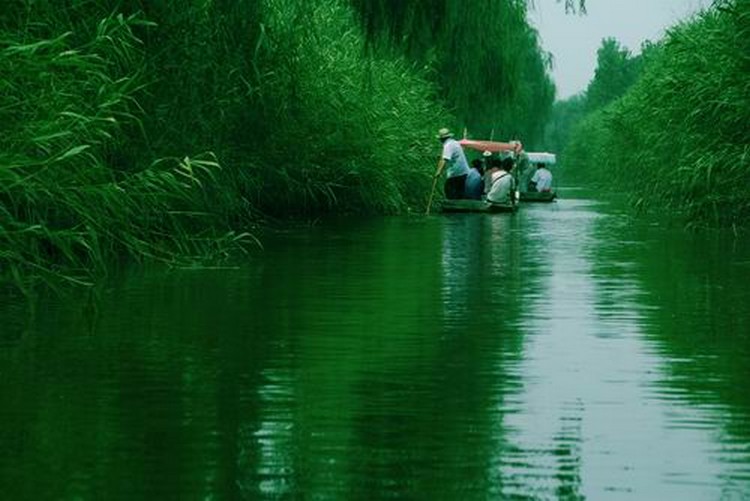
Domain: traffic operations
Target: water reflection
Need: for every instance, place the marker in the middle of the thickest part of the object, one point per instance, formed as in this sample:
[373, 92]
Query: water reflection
[694, 331]
[565, 352]
[589, 375]
[480, 268]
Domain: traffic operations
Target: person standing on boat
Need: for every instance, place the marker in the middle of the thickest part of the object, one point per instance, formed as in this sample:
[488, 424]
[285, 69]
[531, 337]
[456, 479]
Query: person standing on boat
[502, 185]
[541, 181]
[457, 167]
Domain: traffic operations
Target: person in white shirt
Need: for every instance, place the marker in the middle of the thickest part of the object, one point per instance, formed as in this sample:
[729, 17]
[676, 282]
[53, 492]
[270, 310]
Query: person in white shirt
[457, 167]
[541, 180]
[501, 182]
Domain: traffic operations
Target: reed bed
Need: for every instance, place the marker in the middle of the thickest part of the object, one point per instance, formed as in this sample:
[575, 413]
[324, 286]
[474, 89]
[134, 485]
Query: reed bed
[66, 205]
[140, 130]
[343, 129]
[678, 139]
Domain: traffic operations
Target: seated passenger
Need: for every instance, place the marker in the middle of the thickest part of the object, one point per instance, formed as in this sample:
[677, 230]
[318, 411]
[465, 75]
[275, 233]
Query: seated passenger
[486, 160]
[502, 184]
[474, 182]
[541, 180]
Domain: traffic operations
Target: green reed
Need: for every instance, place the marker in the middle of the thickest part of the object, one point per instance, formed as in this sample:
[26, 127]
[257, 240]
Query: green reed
[148, 130]
[75, 191]
[678, 140]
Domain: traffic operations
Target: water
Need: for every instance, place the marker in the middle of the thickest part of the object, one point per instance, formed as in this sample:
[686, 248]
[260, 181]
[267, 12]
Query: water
[566, 352]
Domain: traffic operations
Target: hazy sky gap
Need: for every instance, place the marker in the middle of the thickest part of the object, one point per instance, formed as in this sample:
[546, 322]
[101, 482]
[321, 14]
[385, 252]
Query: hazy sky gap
[573, 40]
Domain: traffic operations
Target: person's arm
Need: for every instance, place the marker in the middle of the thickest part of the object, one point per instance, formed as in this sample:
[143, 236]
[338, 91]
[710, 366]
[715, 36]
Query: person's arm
[532, 184]
[444, 156]
[440, 167]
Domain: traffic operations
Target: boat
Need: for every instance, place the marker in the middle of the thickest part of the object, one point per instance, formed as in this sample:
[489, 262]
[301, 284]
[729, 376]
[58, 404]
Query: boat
[481, 206]
[476, 206]
[537, 196]
[531, 159]
[484, 206]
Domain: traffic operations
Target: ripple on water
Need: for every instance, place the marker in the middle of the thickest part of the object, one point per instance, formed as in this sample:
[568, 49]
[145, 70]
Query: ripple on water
[560, 353]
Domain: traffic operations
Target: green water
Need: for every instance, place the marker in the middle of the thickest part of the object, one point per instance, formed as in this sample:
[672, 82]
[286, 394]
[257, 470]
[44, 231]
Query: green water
[565, 352]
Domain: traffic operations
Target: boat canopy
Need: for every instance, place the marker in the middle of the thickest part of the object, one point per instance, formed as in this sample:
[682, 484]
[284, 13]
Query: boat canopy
[542, 158]
[492, 146]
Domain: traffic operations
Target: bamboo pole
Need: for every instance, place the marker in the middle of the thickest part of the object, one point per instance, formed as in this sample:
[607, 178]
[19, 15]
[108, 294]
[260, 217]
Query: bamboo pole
[434, 184]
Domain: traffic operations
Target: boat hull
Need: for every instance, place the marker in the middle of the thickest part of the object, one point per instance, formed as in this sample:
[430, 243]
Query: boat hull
[535, 196]
[452, 206]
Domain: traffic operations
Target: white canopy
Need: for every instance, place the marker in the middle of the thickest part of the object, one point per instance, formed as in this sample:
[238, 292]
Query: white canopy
[543, 158]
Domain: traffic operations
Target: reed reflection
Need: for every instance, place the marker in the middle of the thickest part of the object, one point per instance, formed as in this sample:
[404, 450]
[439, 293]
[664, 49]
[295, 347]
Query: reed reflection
[564, 352]
[695, 308]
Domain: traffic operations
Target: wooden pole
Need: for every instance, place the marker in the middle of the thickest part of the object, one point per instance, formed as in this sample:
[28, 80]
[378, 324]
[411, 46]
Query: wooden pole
[432, 193]
[438, 171]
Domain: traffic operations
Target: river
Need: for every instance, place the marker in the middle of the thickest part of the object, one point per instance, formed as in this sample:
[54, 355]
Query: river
[569, 351]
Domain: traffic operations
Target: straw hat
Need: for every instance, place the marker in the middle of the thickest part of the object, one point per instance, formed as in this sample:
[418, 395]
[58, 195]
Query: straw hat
[444, 133]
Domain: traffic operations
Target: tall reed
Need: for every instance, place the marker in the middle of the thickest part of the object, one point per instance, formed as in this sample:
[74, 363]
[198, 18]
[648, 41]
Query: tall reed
[678, 140]
[135, 129]
[105, 121]
[66, 205]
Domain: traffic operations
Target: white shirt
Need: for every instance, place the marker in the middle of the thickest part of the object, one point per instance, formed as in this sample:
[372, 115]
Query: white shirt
[454, 156]
[543, 179]
[500, 188]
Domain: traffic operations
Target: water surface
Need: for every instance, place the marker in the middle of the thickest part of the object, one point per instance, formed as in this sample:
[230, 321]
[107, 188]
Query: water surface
[565, 352]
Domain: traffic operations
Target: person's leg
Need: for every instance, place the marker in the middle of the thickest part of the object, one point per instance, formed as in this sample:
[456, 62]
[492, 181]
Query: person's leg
[455, 187]
[448, 189]
[461, 186]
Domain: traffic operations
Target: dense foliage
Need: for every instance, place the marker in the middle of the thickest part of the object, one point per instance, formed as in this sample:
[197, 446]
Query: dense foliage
[486, 59]
[147, 129]
[678, 139]
[616, 71]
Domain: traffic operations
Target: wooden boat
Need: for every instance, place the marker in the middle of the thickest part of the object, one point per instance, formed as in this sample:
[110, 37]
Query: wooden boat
[512, 147]
[536, 196]
[532, 159]
[476, 206]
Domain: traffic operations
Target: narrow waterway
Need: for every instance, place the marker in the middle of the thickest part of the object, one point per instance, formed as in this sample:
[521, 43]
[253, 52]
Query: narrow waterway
[565, 352]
